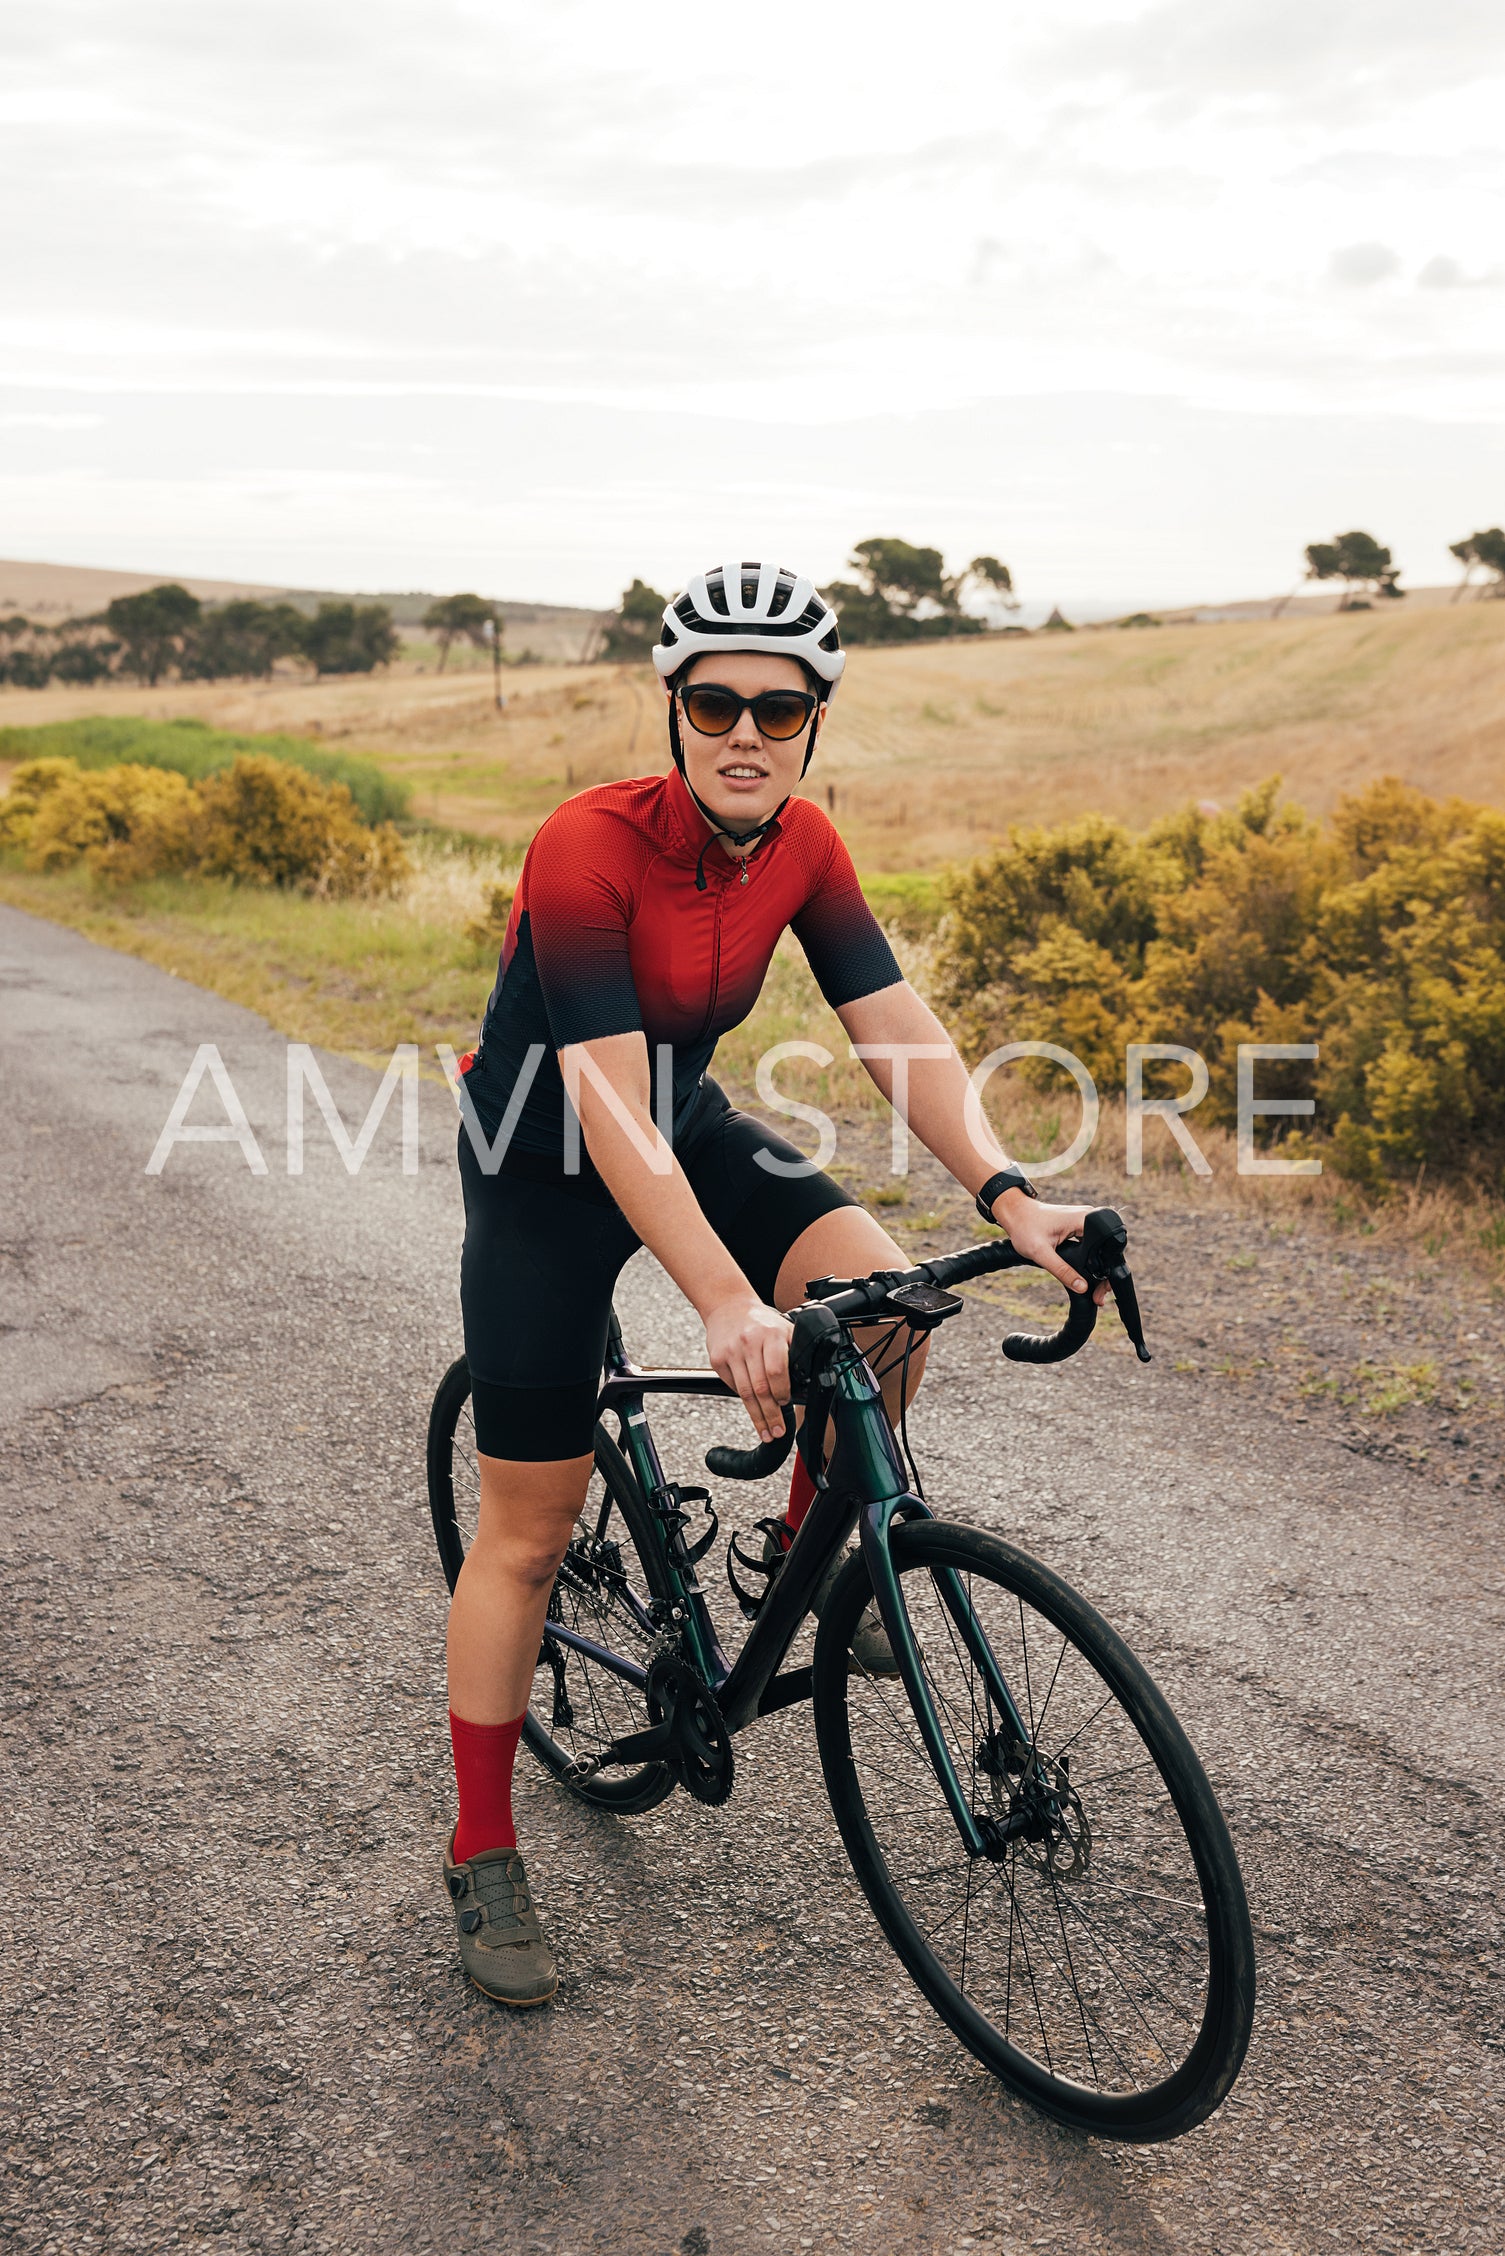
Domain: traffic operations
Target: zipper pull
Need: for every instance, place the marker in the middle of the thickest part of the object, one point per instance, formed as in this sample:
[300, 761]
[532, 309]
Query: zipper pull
[744, 869]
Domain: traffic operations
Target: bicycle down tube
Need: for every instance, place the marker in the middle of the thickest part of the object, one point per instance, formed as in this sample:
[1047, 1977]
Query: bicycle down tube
[867, 1486]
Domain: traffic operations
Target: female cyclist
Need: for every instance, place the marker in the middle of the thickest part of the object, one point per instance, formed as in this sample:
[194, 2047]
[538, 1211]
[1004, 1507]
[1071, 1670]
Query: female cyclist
[645, 919]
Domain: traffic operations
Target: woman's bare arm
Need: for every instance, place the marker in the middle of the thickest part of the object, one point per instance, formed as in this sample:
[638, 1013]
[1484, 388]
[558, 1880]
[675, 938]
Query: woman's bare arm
[936, 1106]
[748, 1343]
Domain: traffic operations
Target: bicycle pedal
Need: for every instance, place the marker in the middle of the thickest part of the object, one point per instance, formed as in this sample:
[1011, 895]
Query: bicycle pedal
[583, 1768]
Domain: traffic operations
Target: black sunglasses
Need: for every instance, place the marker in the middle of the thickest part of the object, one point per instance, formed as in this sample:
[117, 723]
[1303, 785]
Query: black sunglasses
[713, 710]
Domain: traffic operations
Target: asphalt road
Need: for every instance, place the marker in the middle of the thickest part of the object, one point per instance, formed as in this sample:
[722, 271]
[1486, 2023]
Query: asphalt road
[233, 2016]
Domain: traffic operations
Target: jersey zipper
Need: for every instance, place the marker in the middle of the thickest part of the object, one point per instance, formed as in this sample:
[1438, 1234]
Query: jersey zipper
[710, 1008]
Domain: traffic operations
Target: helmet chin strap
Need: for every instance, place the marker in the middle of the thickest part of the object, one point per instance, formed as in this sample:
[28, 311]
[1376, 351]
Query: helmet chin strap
[719, 825]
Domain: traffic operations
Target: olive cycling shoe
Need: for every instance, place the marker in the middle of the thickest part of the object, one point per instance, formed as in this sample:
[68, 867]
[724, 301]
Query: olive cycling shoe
[870, 1647]
[502, 1945]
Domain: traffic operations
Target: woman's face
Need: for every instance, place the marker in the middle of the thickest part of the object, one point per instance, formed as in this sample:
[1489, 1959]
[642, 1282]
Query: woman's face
[743, 775]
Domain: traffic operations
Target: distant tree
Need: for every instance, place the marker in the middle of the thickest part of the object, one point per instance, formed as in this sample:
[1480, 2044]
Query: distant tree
[905, 576]
[902, 592]
[633, 629]
[81, 659]
[1359, 561]
[243, 639]
[987, 572]
[1487, 550]
[152, 629]
[28, 669]
[350, 638]
[25, 653]
[456, 616]
[867, 616]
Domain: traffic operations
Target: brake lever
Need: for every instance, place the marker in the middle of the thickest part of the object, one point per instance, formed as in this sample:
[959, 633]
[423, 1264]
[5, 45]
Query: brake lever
[1098, 1255]
[1121, 1285]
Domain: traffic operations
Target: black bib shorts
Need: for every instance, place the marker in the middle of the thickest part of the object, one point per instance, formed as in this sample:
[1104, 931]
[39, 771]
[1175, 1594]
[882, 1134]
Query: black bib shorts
[543, 1251]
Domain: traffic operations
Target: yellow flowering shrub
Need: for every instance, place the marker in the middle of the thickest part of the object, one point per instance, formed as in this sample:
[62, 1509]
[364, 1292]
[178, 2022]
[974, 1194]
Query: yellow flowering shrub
[124, 822]
[1379, 935]
[265, 822]
[259, 821]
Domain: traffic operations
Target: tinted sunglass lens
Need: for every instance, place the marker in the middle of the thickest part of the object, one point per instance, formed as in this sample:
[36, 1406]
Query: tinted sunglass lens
[710, 711]
[779, 715]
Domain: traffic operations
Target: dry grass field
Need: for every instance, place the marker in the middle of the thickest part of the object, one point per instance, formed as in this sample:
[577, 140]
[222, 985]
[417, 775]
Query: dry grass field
[934, 753]
[931, 755]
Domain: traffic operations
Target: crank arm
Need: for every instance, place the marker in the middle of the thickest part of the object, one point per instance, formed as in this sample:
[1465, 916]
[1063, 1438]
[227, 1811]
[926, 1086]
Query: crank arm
[653, 1745]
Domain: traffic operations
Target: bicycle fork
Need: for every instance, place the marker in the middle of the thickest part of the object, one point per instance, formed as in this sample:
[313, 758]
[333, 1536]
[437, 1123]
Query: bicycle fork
[871, 1462]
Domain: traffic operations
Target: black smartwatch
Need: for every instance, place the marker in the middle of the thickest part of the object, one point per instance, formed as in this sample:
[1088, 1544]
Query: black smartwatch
[1008, 1179]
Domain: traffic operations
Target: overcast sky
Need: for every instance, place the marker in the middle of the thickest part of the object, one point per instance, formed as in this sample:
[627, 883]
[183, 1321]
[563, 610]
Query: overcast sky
[1139, 297]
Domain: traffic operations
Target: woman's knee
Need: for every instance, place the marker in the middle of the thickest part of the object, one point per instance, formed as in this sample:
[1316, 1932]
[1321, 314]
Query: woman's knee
[847, 1242]
[530, 1561]
[527, 1516]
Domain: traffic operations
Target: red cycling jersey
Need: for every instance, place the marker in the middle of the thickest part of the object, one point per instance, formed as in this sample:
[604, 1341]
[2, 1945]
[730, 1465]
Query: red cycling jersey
[610, 933]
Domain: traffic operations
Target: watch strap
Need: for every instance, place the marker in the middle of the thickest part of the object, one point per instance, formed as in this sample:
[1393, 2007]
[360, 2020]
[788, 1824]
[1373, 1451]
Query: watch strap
[1007, 1179]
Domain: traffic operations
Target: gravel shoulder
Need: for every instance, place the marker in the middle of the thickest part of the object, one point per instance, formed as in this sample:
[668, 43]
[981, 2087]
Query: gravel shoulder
[234, 2017]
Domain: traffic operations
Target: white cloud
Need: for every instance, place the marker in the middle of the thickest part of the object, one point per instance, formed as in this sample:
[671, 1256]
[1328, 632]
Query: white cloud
[1359, 266]
[663, 221]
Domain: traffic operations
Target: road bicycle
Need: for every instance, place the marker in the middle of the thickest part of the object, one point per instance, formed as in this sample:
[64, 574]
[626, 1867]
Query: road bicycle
[1027, 1819]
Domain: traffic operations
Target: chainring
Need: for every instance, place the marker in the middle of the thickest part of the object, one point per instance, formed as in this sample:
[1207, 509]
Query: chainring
[701, 1752]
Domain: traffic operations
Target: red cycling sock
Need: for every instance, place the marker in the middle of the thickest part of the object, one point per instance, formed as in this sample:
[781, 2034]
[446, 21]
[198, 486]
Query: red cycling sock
[801, 1496]
[484, 1755]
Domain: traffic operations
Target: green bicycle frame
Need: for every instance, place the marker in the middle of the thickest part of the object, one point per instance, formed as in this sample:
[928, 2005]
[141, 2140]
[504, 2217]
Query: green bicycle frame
[867, 1486]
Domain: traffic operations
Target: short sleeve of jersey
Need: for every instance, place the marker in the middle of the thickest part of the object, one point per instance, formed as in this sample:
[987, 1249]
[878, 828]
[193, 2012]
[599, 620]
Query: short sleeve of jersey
[578, 912]
[842, 939]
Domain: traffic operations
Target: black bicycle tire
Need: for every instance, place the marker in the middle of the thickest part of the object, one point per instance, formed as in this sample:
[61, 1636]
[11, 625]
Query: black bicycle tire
[450, 1398]
[1202, 2081]
[631, 1792]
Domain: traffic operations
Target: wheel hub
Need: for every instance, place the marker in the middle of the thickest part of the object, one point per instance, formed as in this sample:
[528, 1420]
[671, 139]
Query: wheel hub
[1035, 1804]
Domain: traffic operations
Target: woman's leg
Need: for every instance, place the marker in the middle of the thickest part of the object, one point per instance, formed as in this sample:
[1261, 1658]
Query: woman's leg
[536, 1278]
[496, 1618]
[847, 1242]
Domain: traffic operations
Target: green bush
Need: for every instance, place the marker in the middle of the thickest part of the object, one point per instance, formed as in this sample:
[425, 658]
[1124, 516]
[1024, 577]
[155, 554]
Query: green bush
[194, 749]
[259, 821]
[1379, 935]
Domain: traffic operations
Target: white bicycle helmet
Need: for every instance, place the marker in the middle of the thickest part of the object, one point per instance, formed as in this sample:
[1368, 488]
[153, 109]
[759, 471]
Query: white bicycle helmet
[751, 607]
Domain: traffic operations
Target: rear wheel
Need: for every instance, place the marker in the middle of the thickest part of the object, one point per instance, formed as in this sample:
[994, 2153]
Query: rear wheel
[1099, 1960]
[607, 1586]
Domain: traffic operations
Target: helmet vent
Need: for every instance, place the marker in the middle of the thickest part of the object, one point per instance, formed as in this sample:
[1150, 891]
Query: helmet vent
[751, 606]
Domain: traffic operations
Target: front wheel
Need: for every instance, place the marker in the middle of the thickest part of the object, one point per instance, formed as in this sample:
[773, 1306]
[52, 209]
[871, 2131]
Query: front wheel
[609, 1582]
[1099, 1960]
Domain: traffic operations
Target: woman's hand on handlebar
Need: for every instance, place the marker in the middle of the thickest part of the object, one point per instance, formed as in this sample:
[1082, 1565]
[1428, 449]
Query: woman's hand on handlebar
[747, 1344]
[1035, 1229]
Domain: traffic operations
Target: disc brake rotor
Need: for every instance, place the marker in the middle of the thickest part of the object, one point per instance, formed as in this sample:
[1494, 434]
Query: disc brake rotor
[1034, 1797]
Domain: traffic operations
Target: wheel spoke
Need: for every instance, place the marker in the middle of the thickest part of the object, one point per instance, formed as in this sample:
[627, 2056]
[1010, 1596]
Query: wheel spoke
[1017, 1911]
[1085, 1941]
